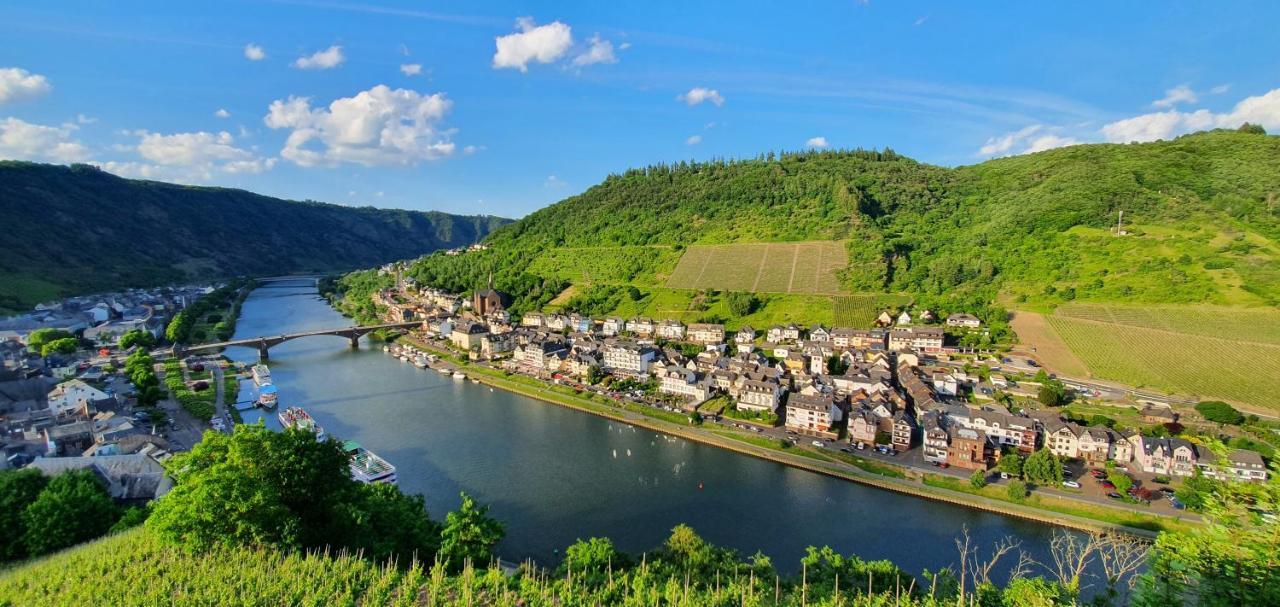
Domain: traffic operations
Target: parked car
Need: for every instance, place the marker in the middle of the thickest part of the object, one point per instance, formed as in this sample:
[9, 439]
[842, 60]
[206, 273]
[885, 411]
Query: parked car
[818, 443]
[1072, 484]
[1115, 496]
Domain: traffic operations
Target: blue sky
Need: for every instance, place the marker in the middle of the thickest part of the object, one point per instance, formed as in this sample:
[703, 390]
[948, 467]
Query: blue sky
[515, 105]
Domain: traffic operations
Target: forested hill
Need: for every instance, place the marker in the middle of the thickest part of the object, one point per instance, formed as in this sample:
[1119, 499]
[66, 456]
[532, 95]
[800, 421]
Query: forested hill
[1201, 212]
[76, 229]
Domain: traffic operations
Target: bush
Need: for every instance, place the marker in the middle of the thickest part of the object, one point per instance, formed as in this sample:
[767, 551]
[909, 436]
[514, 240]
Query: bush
[1017, 490]
[978, 479]
[1220, 412]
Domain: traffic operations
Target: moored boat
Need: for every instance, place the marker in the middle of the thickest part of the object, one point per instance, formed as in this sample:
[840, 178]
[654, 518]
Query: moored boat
[261, 375]
[459, 375]
[367, 467]
[268, 396]
[297, 417]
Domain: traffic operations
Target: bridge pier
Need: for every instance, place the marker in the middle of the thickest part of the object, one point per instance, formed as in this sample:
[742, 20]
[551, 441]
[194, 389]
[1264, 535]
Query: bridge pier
[262, 351]
[355, 340]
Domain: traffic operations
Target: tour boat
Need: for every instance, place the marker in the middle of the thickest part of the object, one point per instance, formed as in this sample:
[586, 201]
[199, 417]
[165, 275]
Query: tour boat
[296, 417]
[459, 375]
[261, 375]
[367, 467]
[268, 395]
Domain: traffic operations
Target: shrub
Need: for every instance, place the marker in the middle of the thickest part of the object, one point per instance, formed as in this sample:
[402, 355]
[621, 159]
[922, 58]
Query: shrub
[1219, 412]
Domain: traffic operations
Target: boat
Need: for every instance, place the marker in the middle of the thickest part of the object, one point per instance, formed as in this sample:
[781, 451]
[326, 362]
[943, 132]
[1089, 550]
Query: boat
[475, 381]
[420, 362]
[297, 417]
[261, 375]
[367, 467]
[459, 375]
[268, 395]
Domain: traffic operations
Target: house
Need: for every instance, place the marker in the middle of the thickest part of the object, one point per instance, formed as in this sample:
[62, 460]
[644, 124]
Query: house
[814, 415]
[628, 357]
[131, 480]
[706, 333]
[75, 395]
[884, 319]
[904, 318]
[745, 335]
[1167, 456]
[532, 319]
[904, 431]
[759, 395]
[869, 379]
[467, 335]
[1003, 428]
[670, 329]
[555, 322]
[1239, 465]
[968, 448]
[935, 438]
[782, 333]
[796, 361]
[819, 333]
[1061, 438]
[580, 364]
[579, 324]
[684, 382]
[537, 353]
[612, 326]
[494, 344]
[640, 326]
[68, 439]
[863, 425]
[1100, 444]
[1155, 414]
[917, 338]
[963, 320]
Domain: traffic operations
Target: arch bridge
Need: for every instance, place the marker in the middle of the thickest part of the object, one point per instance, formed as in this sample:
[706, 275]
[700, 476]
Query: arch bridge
[265, 343]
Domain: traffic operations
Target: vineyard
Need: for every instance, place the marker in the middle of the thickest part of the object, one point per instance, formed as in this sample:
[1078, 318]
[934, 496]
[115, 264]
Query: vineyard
[639, 265]
[860, 311]
[1197, 365]
[1239, 324]
[780, 267]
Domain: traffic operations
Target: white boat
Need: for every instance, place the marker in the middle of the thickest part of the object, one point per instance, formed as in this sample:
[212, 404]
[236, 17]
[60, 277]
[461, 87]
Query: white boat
[268, 396]
[261, 375]
[420, 362]
[459, 375]
[296, 417]
[367, 467]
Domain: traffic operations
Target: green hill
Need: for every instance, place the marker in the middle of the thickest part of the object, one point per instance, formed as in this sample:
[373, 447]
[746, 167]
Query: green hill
[76, 229]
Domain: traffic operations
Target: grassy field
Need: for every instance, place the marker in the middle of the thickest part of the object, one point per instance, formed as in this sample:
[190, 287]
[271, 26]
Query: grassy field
[779, 267]
[638, 265]
[692, 306]
[860, 311]
[1184, 363]
[1261, 325]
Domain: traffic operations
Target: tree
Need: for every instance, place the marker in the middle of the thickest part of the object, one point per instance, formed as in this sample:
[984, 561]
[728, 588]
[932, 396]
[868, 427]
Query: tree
[978, 479]
[469, 535]
[836, 365]
[1220, 412]
[65, 345]
[72, 508]
[390, 524]
[1043, 468]
[591, 560]
[38, 338]
[136, 337]
[1122, 481]
[18, 489]
[1053, 393]
[1253, 129]
[741, 304]
[594, 374]
[1195, 491]
[1017, 490]
[1011, 464]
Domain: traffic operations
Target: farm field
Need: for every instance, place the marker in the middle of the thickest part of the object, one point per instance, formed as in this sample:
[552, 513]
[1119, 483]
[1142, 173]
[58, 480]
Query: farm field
[1183, 363]
[637, 265]
[860, 311]
[777, 267]
[1260, 325]
[1034, 330]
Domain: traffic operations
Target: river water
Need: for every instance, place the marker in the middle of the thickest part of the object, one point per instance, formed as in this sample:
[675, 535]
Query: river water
[554, 475]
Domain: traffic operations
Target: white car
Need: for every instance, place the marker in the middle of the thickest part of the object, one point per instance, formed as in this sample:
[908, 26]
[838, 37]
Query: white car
[818, 443]
[1072, 484]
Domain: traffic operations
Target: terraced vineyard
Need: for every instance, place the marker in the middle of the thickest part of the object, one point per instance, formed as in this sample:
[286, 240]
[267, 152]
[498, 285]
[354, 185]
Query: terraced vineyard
[1260, 325]
[1179, 362]
[778, 267]
[860, 311]
[638, 265]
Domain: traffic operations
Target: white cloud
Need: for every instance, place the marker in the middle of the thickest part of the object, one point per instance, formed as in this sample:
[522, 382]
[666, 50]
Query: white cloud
[321, 60]
[816, 142]
[253, 52]
[472, 149]
[693, 140]
[921, 21]
[411, 69]
[189, 157]
[1028, 140]
[599, 51]
[1259, 109]
[20, 140]
[533, 43]
[374, 127]
[554, 183]
[1220, 89]
[17, 84]
[1178, 94]
[82, 119]
[222, 113]
[700, 94]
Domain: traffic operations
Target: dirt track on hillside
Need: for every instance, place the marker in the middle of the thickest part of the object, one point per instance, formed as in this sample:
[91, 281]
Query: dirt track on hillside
[1043, 343]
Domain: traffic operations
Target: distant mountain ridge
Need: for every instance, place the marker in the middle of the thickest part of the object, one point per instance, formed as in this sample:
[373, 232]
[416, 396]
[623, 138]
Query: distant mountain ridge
[77, 229]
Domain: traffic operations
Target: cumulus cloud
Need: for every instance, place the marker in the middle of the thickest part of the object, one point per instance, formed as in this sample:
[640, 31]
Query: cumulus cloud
[693, 140]
[1220, 89]
[1028, 140]
[816, 142]
[1258, 109]
[375, 127]
[321, 60]
[700, 94]
[189, 157]
[83, 119]
[472, 149]
[253, 52]
[20, 140]
[411, 69]
[222, 113]
[17, 84]
[598, 51]
[1178, 94]
[533, 43]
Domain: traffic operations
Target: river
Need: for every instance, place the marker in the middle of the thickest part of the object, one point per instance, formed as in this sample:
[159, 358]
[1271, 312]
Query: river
[554, 475]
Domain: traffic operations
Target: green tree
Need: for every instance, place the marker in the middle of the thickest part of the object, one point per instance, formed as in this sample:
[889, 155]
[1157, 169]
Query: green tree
[836, 365]
[978, 479]
[38, 338]
[136, 337]
[469, 535]
[594, 374]
[1252, 129]
[1122, 481]
[1017, 490]
[1011, 464]
[741, 304]
[72, 508]
[18, 489]
[591, 560]
[1052, 393]
[1043, 468]
[387, 523]
[65, 345]
[1195, 491]
[1220, 412]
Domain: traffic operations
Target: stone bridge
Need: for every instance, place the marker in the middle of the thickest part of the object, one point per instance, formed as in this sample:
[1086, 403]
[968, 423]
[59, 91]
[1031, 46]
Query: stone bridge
[265, 343]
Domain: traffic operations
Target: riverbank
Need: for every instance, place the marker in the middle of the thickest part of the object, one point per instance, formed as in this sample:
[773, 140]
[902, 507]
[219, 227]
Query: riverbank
[1040, 508]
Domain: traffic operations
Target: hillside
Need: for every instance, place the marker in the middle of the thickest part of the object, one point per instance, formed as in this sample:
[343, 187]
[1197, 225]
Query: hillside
[76, 229]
